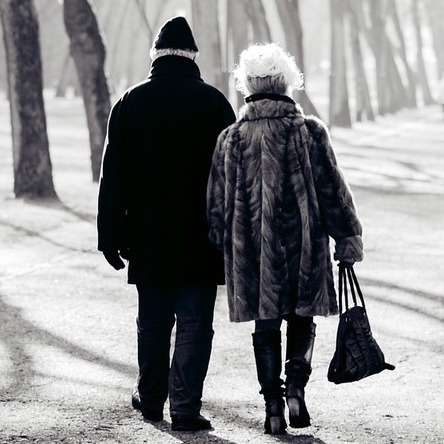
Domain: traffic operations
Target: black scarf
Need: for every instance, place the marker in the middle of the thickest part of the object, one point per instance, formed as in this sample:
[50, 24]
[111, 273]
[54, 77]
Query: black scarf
[270, 96]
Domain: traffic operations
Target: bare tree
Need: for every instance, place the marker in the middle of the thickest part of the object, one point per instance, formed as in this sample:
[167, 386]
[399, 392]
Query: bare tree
[88, 52]
[254, 9]
[68, 77]
[289, 15]
[32, 163]
[380, 48]
[206, 31]
[237, 36]
[363, 101]
[435, 13]
[421, 73]
[339, 106]
[3, 75]
[391, 92]
[392, 11]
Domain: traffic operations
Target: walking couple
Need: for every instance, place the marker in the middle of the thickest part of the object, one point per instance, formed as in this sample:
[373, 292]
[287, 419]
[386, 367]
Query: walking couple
[195, 198]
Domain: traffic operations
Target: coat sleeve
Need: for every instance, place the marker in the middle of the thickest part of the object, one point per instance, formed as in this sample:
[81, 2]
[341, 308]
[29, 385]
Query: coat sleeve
[112, 187]
[335, 199]
[216, 194]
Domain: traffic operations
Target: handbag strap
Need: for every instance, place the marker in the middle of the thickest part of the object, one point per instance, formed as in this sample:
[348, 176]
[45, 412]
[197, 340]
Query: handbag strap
[347, 278]
[354, 281]
[343, 289]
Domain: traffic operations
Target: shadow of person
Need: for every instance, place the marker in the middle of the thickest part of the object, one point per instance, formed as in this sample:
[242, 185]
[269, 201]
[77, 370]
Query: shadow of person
[229, 416]
[202, 436]
[211, 436]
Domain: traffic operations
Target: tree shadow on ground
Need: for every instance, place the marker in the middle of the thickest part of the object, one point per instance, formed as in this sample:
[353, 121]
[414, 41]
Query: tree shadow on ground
[16, 333]
[417, 293]
[60, 205]
[36, 234]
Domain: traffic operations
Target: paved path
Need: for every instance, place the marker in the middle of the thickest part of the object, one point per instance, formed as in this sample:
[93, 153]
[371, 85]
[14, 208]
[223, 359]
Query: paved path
[67, 328]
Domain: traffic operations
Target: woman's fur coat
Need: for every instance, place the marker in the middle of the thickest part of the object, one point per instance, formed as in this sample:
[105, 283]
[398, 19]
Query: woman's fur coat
[275, 195]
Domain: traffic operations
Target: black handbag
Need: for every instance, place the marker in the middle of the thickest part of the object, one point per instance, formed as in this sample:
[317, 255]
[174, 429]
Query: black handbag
[357, 354]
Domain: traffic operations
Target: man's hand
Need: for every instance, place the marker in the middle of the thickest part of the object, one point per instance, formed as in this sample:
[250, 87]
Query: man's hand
[114, 259]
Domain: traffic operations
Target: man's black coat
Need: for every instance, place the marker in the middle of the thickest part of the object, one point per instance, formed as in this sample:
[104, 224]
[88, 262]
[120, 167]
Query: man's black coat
[152, 195]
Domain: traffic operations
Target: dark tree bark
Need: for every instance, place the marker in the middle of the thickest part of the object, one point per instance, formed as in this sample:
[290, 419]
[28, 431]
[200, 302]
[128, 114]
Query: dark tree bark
[339, 106]
[290, 18]
[207, 35]
[88, 52]
[32, 163]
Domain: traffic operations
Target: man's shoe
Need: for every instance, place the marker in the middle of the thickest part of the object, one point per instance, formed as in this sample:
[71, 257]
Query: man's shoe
[147, 412]
[189, 423]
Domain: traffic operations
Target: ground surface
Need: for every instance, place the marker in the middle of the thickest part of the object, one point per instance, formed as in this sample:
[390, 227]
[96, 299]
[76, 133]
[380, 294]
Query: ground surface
[67, 320]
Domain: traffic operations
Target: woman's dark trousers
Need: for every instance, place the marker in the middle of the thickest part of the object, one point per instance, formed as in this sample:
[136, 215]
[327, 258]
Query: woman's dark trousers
[191, 308]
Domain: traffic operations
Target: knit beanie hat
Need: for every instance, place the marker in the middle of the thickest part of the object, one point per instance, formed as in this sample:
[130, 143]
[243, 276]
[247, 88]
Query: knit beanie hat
[175, 34]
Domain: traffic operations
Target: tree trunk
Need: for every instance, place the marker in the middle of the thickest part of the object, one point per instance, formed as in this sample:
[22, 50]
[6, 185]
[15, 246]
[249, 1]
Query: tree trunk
[290, 18]
[238, 36]
[339, 106]
[255, 12]
[68, 77]
[88, 52]
[393, 12]
[363, 101]
[206, 32]
[380, 48]
[391, 93]
[32, 163]
[421, 73]
[435, 13]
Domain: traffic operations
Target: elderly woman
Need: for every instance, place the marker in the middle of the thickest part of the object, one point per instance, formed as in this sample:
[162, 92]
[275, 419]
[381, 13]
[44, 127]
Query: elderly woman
[275, 196]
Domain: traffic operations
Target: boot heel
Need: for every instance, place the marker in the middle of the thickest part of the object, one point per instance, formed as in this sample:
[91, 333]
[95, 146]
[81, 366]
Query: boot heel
[275, 423]
[293, 407]
[298, 413]
[276, 426]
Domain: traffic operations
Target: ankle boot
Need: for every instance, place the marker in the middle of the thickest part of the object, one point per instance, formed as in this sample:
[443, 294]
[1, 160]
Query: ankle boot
[298, 368]
[268, 356]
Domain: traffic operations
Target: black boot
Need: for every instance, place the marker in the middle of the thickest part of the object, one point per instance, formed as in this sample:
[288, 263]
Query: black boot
[268, 356]
[300, 344]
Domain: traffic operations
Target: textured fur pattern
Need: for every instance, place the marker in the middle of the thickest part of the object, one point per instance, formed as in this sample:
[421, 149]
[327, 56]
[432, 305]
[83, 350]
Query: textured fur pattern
[275, 195]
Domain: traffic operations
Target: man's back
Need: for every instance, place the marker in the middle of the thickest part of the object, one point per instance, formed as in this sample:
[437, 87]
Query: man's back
[169, 125]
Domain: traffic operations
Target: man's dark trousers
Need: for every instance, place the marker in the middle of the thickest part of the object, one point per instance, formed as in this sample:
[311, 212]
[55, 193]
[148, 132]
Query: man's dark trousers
[191, 307]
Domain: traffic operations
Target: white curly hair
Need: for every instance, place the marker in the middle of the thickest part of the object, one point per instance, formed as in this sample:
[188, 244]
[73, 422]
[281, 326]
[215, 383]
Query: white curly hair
[267, 68]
